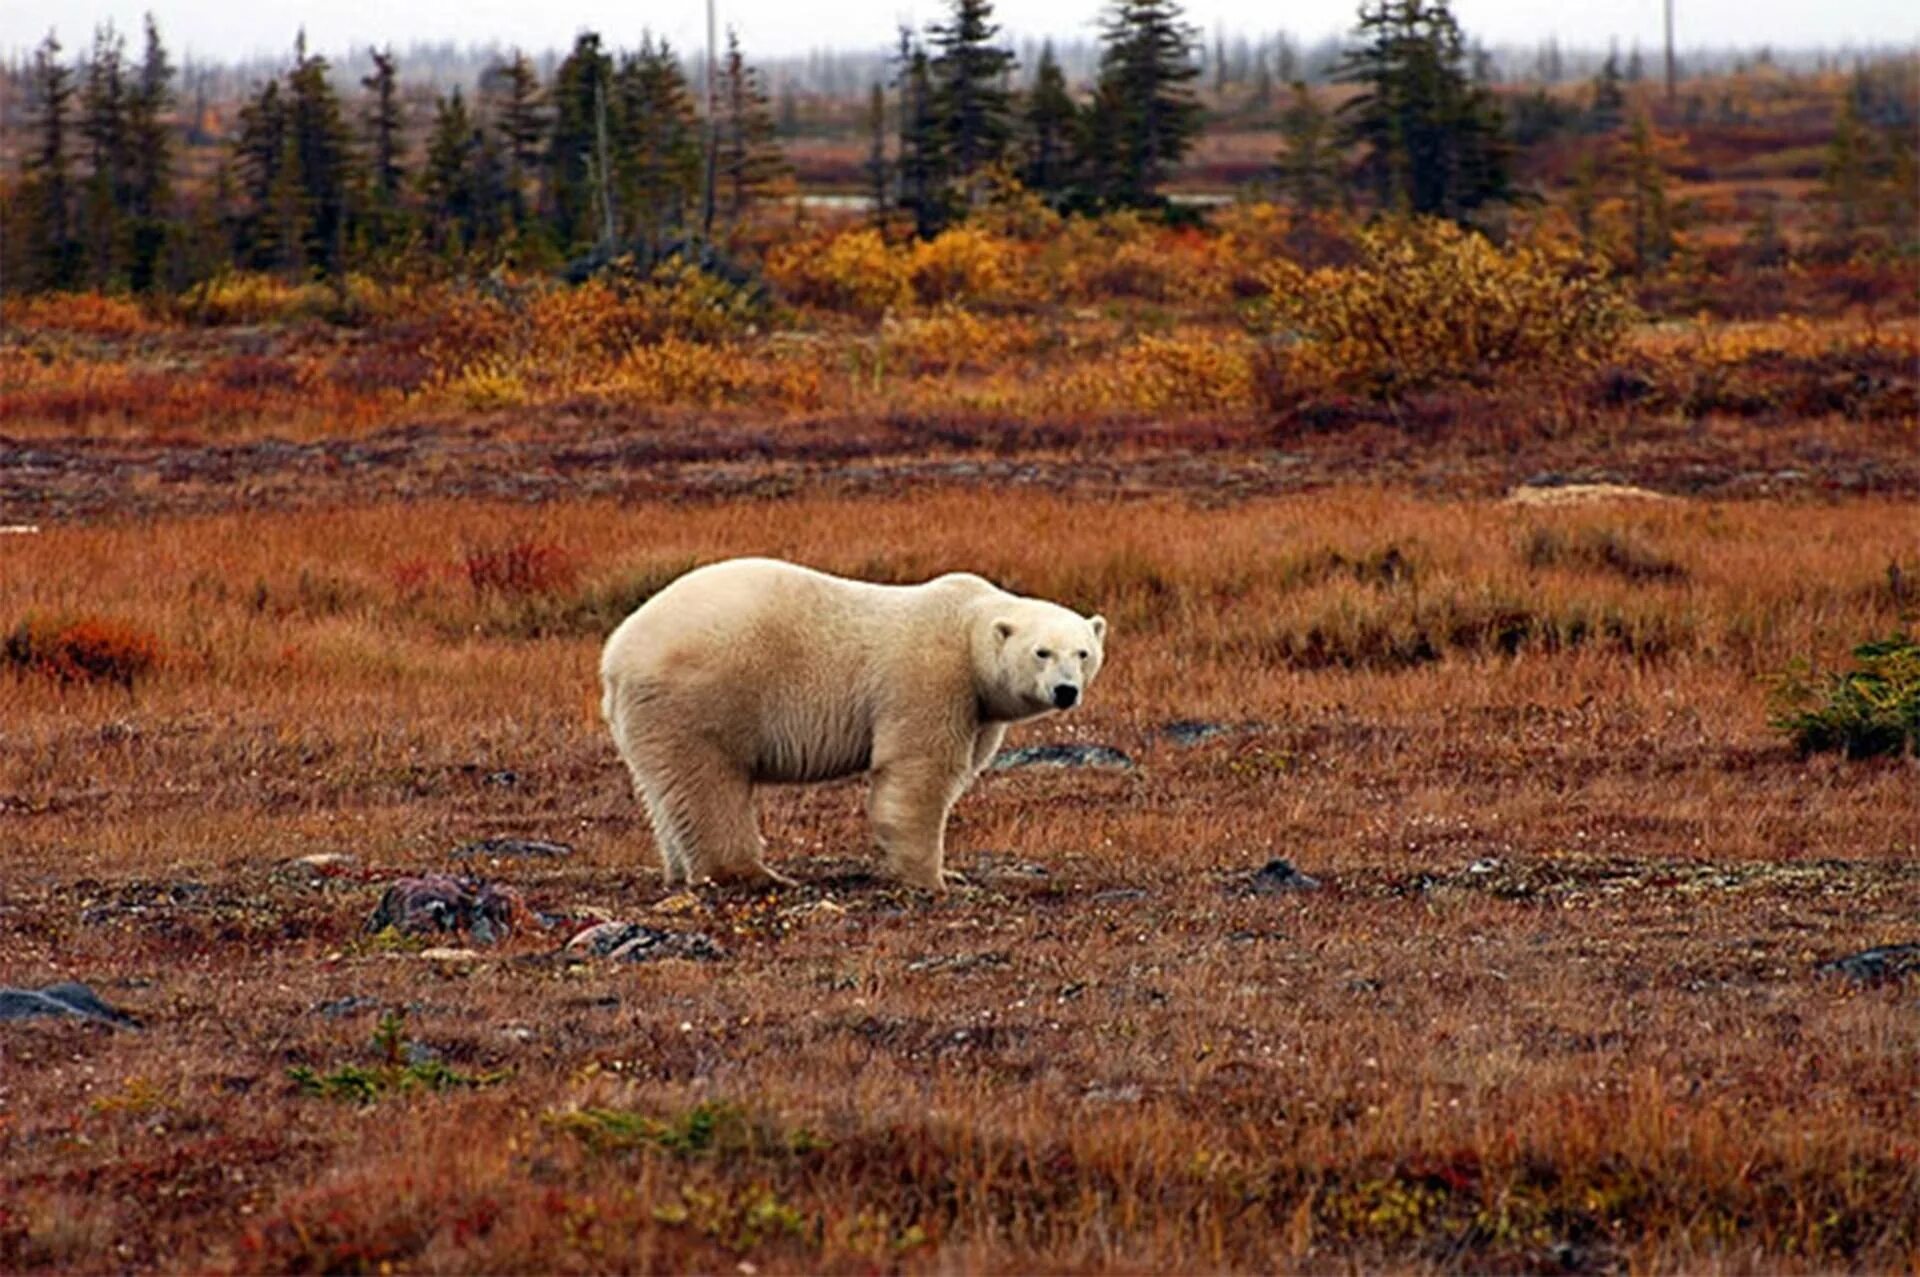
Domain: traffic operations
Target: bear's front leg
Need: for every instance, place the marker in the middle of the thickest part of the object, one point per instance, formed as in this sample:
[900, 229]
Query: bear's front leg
[909, 804]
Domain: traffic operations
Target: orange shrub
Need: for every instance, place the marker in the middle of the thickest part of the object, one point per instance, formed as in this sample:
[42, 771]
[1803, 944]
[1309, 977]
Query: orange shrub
[854, 271]
[1157, 374]
[86, 649]
[91, 314]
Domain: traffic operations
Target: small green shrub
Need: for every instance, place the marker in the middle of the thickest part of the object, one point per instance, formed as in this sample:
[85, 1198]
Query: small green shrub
[1871, 709]
[395, 1074]
[708, 1127]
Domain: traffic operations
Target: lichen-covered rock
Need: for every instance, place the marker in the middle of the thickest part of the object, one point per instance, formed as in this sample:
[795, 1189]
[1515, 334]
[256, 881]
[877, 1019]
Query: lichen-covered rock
[1063, 755]
[1277, 878]
[434, 903]
[67, 999]
[514, 848]
[636, 942]
[1877, 966]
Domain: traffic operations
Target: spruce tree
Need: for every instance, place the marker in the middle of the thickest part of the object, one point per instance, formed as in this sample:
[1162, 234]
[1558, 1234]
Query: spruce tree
[150, 174]
[103, 125]
[448, 177]
[1843, 184]
[514, 98]
[1309, 166]
[270, 232]
[1432, 140]
[53, 255]
[969, 78]
[1052, 122]
[750, 162]
[318, 133]
[575, 191]
[1647, 197]
[923, 151]
[657, 159]
[383, 122]
[1609, 100]
[1144, 114]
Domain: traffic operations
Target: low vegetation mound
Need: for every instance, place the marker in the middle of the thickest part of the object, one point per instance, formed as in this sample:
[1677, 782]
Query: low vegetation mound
[1871, 709]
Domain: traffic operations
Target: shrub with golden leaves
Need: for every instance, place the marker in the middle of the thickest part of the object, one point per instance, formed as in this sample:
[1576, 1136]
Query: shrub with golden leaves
[965, 263]
[1429, 302]
[854, 271]
[950, 338]
[1201, 372]
[90, 314]
[676, 371]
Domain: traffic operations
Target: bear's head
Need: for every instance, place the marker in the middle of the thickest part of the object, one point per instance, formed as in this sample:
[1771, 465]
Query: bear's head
[1037, 656]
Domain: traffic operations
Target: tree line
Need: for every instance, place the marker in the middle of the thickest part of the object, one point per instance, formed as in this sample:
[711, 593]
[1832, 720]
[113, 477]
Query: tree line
[610, 155]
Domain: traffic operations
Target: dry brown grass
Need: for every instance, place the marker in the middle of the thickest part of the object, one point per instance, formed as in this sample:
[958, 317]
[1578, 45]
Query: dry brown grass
[1556, 1005]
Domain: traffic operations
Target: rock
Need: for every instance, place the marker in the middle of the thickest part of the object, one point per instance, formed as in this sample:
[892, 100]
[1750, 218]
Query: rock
[1195, 731]
[635, 942]
[64, 999]
[439, 902]
[1116, 895]
[317, 868]
[451, 957]
[1884, 965]
[1563, 494]
[341, 1008]
[517, 848]
[1105, 757]
[1277, 878]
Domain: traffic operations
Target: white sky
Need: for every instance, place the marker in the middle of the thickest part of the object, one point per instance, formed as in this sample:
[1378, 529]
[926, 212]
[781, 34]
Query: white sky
[223, 28]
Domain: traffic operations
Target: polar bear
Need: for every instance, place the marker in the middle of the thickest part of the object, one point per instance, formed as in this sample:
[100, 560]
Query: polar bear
[756, 671]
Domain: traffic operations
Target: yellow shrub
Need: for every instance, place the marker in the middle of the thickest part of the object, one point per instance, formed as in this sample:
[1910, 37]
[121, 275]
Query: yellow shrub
[676, 371]
[854, 271]
[1159, 374]
[961, 264]
[951, 337]
[1429, 302]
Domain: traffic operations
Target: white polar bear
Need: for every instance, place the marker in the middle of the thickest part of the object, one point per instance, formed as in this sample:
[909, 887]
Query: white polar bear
[757, 671]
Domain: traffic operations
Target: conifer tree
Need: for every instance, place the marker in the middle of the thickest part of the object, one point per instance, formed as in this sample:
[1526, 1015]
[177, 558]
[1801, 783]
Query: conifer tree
[1843, 184]
[514, 98]
[1609, 100]
[1647, 197]
[750, 161]
[447, 179]
[923, 153]
[103, 126]
[576, 193]
[52, 254]
[318, 134]
[383, 122]
[1052, 121]
[1309, 166]
[657, 145]
[273, 225]
[1432, 139]
[969, 76]
[150, 168]
[1144, 113]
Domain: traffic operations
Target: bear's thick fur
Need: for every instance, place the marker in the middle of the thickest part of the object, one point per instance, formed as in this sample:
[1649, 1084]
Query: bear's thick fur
[757, 671]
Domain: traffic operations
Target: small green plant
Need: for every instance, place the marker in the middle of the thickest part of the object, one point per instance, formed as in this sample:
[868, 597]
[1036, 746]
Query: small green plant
[708, 1127]
[1871, 709]
[395, 1074]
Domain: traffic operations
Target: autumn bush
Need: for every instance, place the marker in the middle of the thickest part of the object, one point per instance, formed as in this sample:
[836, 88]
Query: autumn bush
[82, 649]
[89, 314]
[853, 271]
[1429, 302]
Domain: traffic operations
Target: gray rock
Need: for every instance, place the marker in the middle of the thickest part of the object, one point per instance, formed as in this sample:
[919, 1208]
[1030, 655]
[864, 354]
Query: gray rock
[341, 1008]
[519, 848]
[1884, 965]
[636, 942]
[1104, 757]
[437, 902]
[1277, 878]
[1192, 731]
[64, 999]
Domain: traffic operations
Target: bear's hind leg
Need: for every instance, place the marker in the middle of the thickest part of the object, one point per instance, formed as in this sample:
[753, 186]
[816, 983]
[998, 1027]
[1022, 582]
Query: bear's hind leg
[710, 808]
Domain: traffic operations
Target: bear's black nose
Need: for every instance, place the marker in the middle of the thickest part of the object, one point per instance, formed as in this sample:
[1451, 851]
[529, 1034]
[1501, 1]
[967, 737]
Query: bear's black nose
[1065, 695]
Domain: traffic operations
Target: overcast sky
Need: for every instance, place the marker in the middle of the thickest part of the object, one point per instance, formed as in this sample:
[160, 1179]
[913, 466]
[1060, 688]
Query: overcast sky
[224, 28]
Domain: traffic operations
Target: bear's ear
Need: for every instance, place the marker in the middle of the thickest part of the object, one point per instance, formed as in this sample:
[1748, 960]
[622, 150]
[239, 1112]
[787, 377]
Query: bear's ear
[1002, 631]
[1099, 624]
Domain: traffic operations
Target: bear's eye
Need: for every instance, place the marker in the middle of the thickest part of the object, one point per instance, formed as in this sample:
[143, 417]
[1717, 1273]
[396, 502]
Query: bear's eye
[1081, 654]
[1043, 654]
